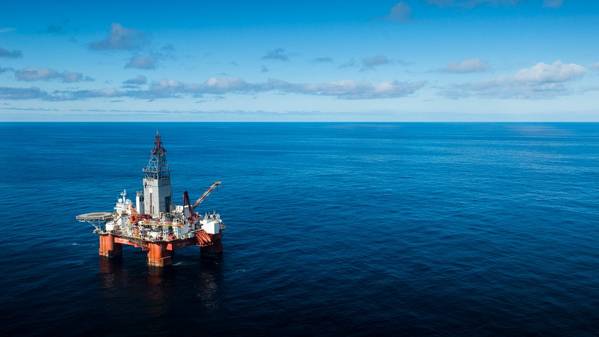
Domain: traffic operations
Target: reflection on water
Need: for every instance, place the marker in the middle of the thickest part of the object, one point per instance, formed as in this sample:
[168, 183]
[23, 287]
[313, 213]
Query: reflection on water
[209, 278]
[110, 271]
[160, 290]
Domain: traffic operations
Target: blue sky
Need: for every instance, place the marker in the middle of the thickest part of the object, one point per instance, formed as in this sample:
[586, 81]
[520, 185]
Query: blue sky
[412, 60]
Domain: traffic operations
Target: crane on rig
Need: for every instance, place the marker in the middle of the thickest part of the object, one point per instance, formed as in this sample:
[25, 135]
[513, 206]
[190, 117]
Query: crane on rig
[188, 208]
[206, 194]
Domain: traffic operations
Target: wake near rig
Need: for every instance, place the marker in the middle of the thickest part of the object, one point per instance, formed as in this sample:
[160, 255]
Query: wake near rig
[155, 224]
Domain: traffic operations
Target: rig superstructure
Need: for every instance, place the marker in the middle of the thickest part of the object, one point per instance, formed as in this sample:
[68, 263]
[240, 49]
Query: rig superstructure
[155, 224]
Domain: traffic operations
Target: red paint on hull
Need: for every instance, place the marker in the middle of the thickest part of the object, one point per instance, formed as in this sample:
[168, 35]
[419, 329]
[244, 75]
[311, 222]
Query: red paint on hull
[159, 253]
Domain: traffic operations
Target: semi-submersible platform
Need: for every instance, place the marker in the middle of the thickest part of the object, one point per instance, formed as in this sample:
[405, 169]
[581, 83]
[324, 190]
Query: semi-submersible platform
[155, 224]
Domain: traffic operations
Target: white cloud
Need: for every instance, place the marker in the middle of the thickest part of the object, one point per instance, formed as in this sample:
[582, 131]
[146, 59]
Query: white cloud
[466, 66]
[539, 81]
[347, 89]
[556, 72]
[120, 38]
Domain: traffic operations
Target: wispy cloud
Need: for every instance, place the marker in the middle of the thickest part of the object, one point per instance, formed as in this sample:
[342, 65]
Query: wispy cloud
[143, 61]
[135, 82]
[167, 48]
[120, 38]
[13, 54]
[400, 12]
[22, 93]
[278, 54]
[553, 3]
[57, 28]
[347, 89]
[476, 3]
[471, 3]
[371, 62]
[349, 64]
[539, 81]
[46, 74]
[466, 66]
[323, 59]
[150, 59]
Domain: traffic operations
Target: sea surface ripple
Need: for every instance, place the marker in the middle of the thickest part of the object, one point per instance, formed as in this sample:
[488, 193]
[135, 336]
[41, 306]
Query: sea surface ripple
[333, 229]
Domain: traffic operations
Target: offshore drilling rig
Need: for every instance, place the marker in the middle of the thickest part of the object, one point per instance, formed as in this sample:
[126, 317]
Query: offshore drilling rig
[155, 224]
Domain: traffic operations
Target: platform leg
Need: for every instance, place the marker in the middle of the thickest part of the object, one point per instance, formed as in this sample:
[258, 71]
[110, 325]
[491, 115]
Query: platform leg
[109, 248]
[215, 247]
[158, 255]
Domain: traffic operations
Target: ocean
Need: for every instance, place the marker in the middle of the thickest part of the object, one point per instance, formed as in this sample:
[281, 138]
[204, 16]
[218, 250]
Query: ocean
[332, 229]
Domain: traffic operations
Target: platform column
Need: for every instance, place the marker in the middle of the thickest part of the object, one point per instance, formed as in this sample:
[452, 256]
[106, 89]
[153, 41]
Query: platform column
[109, 248]
[158, 255]
[210, 244]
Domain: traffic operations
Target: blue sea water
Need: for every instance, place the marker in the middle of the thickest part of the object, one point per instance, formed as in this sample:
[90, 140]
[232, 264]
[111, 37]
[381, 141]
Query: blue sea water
[333, 229]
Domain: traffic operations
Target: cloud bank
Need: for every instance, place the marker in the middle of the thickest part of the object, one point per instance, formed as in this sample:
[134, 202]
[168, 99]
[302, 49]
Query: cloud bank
[346, 89]
[539, 81]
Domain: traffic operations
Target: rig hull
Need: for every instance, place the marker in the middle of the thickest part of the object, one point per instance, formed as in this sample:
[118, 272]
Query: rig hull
[160, 253]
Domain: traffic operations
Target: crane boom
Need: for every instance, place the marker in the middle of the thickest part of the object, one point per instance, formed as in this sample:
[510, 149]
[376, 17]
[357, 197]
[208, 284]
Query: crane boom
[206, 194]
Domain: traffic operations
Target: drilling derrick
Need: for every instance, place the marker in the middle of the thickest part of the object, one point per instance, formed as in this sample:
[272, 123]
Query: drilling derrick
[155, 224]
[157, 193]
